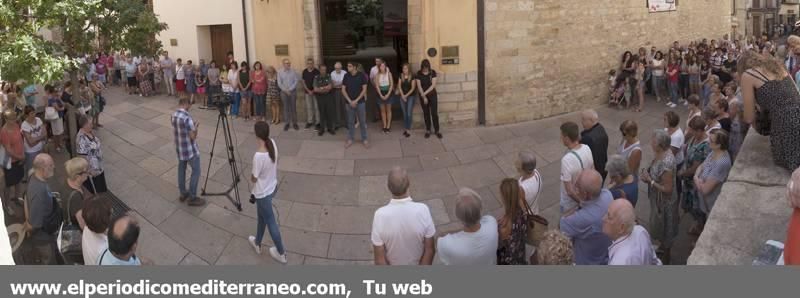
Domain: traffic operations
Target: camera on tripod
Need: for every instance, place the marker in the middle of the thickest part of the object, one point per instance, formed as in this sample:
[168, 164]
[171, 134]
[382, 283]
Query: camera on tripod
[221, 101]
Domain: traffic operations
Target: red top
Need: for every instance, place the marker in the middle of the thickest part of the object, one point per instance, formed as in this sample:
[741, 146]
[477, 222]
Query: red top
[673, 77]
[791, 248]
[12, 141]
[259, 82]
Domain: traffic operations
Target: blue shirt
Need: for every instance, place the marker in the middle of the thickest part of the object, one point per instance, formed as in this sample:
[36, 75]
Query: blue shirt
[30, 98]
[631, 191]
[585, 228]
[108, 259]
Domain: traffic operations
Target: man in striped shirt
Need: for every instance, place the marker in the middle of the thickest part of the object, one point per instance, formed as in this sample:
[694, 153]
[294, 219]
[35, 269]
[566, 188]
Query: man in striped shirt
[185, 130]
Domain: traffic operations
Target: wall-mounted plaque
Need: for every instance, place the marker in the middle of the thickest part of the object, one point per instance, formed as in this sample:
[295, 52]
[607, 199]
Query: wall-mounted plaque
[450, 55]
[282, 50]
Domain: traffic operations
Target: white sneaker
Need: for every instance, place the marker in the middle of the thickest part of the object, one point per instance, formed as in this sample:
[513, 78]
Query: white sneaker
[672, 105]
[685, 103]
[669, 104]
[252, 240]
[281, 258]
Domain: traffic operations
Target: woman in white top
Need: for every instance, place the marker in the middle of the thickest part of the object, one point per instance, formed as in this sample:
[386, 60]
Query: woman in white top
[659, 80]
[530, 179]
[33, 134]
[97, 215]
[265, 182]
[384, 85]
[630, 148]
[180, 78]
[233, 82]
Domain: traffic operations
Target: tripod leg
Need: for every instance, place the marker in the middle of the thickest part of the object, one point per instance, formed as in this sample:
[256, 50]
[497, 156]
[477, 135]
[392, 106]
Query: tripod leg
[211, 158]
[234, 168]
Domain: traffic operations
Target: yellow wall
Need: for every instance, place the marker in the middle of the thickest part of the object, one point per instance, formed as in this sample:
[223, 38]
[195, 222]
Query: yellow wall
[279, 22]
[449, 23]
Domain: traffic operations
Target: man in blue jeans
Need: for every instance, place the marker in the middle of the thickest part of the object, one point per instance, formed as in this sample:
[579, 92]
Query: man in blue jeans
[185, 130]
[354, 91]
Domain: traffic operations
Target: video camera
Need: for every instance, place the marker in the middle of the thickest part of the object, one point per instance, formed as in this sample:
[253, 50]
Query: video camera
[221, 101]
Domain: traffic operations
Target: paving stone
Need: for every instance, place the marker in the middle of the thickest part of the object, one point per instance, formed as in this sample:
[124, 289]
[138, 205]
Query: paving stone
[326, 190]
[491, 135]
[156, 246]
[461, 140]
[239, 252]
[305, 242]
[351, 247]
[438, 160]
[193, 260]
[304, 217]
[383, 166]
[482, 152]
[157, 166]
[438, 211]
[519, 144]
[321, 150]
[307, 165]
[378, 149]
[228, 220]
[431, 184]
[150, 205]
[477, 174]
[345, 167]
[347, 219]
[551, 151]
[372, 191]
[288, 147]
[135, 154]
[333, 262]
[145, 113]
[419, 146]
[200, 237]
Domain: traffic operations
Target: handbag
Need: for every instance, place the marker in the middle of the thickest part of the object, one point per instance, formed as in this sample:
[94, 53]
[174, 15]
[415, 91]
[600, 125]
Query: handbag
[50, 114]
[70, 238]
[537, 225]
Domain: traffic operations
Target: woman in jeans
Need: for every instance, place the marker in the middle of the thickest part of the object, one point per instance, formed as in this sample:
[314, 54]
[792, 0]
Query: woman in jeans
[258, 79]
[426, 82]
[265, 182]
[658, 67]
[405, 89]
[673, 70]
[233, 81]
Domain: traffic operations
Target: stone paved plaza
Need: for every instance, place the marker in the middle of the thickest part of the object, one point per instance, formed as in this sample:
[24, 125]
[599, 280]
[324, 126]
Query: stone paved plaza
[327, 194]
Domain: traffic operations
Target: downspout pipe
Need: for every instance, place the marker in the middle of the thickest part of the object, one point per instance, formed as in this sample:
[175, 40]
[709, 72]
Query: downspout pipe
[244, 23]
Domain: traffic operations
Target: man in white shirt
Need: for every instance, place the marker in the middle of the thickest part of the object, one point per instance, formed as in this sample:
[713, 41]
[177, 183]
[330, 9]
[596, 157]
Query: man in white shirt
[337, 76]
[577, 158]
[631, 244]
[403, 230]
[476, 244]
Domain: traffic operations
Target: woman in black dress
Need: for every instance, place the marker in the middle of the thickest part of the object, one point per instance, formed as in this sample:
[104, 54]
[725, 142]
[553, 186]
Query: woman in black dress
[513, 227]
[429, 100]
[770, 96]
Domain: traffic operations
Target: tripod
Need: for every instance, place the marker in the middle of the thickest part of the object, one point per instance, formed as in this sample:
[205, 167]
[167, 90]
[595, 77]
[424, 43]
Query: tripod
[222, 122]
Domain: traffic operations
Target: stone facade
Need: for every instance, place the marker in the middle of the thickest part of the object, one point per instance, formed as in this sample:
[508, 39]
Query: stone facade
[550, 57]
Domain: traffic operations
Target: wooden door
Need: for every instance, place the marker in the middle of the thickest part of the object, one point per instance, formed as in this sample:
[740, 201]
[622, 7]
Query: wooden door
[757, 26]
[221, 43]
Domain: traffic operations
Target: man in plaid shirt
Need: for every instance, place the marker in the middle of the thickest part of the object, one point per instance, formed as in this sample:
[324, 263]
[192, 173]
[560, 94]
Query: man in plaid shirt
[185, 130]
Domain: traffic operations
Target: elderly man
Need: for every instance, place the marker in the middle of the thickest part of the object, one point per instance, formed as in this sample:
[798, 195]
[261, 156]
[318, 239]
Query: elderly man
[287, 82]
[44, 217]
[578, 158]
[791, 251]
[631, 244]
[403, 230]
[123, 239]
[585, 225]
[594, 135]
[476, 244]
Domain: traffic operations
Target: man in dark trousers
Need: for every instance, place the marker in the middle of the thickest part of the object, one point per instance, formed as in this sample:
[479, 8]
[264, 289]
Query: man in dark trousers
[594, 136]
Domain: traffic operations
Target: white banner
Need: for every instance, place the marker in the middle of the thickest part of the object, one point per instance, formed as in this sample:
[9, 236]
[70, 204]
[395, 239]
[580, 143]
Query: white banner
[661, 5]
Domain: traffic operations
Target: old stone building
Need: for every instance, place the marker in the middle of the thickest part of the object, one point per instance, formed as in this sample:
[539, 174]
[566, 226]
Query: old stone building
[500, 61]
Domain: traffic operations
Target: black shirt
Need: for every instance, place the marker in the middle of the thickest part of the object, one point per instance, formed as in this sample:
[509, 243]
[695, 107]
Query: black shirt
[354, 84]
[308, 77]
[725, 123]
[426, 81]
[597, 140]
[66, 97]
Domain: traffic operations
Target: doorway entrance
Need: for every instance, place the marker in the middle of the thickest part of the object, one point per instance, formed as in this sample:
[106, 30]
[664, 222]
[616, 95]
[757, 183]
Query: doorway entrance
[221, 42]
[362, 30]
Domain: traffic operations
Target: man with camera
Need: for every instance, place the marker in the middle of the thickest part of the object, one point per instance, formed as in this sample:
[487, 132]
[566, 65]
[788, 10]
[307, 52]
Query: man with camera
[185, 130]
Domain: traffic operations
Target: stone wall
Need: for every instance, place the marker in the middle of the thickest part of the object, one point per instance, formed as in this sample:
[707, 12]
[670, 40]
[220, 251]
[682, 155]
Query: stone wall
[550, 57]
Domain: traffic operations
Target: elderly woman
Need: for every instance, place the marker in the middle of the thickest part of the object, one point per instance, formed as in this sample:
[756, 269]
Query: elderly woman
[555, 249]
[623, 184]
[513, 226]
[97, 214]
[77, 173]
[713, 172]
[791, 252]
[659, 177]
[629, 148]
[696, 150]
[14, 164]
[89, 147]
[710, 116]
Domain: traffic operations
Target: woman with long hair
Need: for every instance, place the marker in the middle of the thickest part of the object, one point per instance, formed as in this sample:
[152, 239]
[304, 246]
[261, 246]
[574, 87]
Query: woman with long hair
[426, 82]
[673, 70]
[145, 88]
[694, 75]
[641, 69]
[236, 95]
[513, 226]
[384, 85]
[405, 89]
[769, 93]
[273, 94]
[188, 78]
[258, 80]
[265, 182]
[629, 147]
[659, 69]
[245, 86]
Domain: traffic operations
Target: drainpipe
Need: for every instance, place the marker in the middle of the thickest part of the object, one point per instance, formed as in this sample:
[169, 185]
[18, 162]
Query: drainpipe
[481, 64]
[244, 23]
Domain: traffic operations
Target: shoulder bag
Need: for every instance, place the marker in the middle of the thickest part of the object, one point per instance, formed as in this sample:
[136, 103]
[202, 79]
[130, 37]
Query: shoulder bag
[537, 225]
[70, 238]
[50, 113]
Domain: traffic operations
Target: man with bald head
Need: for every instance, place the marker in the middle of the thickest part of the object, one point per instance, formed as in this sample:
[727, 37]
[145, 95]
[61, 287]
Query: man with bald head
[585, 224]
[594, 135]
[44, 217]
[477, 243]
[403, 230]
[631, 243]
[123, 239]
